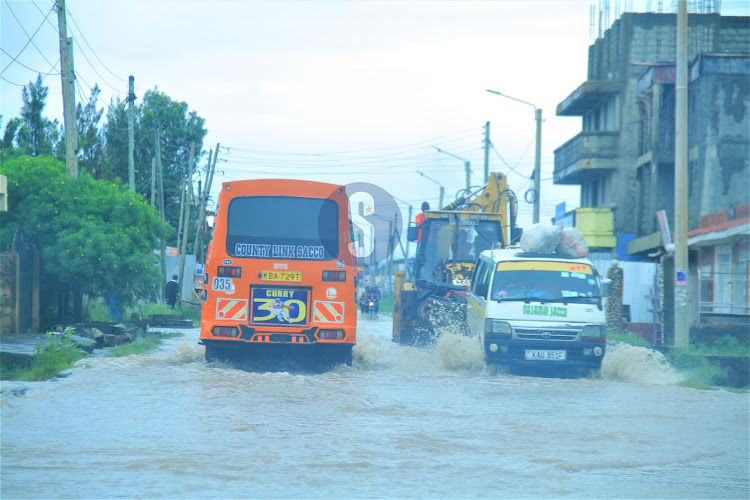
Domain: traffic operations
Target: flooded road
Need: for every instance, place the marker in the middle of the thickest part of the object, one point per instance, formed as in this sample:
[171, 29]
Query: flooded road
[400, 423]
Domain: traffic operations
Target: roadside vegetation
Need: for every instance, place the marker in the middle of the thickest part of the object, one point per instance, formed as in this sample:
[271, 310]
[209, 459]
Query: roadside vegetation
[53, 358]
[145, 344]
[49, 361]
[97, 309]
[698, 362]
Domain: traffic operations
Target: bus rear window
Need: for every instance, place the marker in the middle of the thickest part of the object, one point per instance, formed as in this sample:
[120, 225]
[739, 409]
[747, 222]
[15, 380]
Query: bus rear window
[283, 227]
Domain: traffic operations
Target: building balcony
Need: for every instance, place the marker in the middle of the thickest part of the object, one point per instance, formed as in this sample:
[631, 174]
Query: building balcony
[587, 97]
[585, 153]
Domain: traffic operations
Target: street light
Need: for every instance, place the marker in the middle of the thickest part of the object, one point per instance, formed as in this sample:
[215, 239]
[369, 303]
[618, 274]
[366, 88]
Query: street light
[538, 155]
[467, 164]
[442, 189]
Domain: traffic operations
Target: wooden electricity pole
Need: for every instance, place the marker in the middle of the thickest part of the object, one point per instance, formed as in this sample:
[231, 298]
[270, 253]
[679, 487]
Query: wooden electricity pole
[486, 151]
[68, 92]
[204, 201]
[131, 135]
[153, 181]
[186, 225]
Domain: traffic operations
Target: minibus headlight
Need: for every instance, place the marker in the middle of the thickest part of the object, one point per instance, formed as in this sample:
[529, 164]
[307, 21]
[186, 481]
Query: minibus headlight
[495, 327]
[595, 333]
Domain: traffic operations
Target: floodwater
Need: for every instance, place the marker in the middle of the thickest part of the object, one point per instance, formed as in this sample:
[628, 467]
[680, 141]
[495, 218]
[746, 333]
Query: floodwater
[400, 423]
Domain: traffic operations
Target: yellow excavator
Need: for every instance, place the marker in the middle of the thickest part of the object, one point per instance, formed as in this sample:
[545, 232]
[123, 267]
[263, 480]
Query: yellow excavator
[433, 298]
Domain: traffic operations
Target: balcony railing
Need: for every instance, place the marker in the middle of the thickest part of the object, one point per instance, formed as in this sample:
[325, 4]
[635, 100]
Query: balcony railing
[586, 151]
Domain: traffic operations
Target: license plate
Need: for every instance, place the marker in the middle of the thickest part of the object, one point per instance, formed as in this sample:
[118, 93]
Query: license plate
[281, 276]
[545, 355]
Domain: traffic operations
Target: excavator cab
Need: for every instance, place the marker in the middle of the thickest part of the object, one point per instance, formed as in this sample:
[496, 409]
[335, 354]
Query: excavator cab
[451, 239]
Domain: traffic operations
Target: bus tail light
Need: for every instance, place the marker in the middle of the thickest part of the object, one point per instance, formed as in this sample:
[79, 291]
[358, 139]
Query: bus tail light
[331, 334]
[229, 272]
[334, 276]
[225, 331]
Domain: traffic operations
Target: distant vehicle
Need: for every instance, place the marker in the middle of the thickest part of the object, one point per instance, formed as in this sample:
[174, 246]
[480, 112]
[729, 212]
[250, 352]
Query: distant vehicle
[538, 310]
[280, 280]
[433, 300]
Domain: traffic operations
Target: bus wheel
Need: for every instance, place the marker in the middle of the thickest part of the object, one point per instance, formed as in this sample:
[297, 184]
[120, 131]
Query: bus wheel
[212, 353]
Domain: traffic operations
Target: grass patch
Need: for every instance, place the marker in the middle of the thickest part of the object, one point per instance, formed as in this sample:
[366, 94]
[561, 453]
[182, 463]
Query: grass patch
[627, 338]
[143, 345]
[725, 346]
[97, 310]
[386, 304]
[49, 361]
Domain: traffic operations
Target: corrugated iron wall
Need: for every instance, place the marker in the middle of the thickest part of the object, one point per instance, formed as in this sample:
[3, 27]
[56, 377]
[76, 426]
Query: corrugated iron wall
[638, 285]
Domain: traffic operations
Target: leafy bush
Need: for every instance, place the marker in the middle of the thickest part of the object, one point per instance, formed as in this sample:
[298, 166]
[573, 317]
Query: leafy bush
[725, 346]
[141, 346]
[49, 360]
[627, 338]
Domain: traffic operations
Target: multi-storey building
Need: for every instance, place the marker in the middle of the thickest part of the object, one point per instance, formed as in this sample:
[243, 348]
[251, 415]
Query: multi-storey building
[623, 158]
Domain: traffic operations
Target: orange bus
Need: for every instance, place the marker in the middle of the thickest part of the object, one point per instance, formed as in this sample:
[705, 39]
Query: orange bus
[280, 279]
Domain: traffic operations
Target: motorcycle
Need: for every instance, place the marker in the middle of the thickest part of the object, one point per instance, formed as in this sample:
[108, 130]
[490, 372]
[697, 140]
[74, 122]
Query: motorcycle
[371, 309]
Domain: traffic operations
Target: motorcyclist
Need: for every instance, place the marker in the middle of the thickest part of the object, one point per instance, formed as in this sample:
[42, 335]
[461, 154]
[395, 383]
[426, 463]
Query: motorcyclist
[374, 297]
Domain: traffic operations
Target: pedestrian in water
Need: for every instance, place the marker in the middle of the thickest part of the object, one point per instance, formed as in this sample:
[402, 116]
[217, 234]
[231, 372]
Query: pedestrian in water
[171, 291]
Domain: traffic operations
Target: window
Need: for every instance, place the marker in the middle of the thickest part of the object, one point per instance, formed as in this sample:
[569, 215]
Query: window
[295, 228]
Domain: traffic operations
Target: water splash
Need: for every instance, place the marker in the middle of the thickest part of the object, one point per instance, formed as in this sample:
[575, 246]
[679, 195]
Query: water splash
[458, 351]
[628, 363]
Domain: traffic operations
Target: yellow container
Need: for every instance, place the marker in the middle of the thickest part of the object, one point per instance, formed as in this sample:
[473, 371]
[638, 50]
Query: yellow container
[597, 226]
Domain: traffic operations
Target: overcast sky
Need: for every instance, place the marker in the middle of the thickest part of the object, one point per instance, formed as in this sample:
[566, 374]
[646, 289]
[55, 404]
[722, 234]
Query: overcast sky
[335, 91]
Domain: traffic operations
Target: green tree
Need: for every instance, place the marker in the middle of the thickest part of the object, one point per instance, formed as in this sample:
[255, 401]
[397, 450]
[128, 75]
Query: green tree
[32, 133]
[115, 131]
[90, 137]
[95, 237]
[178, 128]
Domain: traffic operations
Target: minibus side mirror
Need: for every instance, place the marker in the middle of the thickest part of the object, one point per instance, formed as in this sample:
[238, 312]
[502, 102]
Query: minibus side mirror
[606, 287]
[412, 233]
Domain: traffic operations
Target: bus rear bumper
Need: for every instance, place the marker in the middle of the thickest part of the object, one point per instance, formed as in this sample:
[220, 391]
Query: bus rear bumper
[277, 356]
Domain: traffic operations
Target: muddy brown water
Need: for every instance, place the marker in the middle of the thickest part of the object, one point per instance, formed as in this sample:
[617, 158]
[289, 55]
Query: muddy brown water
[400, 423]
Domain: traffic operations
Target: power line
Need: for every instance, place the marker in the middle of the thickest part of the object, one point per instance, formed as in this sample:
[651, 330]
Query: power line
[25, 33]
[27, 43]
[83, 53]
[32, 69]
[80, 32]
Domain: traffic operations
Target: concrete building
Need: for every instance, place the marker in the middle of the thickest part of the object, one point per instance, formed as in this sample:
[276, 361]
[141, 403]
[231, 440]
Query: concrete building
[623, 158]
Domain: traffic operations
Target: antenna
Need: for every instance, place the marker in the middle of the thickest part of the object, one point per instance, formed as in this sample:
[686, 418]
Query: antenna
[592, 22]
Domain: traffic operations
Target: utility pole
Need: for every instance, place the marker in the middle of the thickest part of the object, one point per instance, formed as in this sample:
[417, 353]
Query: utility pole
[204, 199]
[486, 151]
[538, 153]
[159, 175]
[467, 166]
[153, 180]
[131, 134]
[182, 208]
[160, 179]
[186, 225]
[406, 252]
[538, 164]
[68, 92]
[681, 320]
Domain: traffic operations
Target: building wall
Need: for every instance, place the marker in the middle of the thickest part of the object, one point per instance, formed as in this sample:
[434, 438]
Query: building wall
[626, 52]
[719, 129]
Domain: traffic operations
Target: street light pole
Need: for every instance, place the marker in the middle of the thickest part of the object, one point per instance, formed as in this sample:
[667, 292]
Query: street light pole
[467, 166]
[442, 189]
[538, 152]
